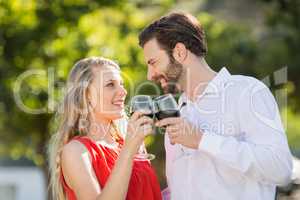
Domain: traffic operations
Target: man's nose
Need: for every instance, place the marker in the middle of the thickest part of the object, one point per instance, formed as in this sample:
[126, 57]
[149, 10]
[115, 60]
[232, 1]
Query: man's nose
[151, 73]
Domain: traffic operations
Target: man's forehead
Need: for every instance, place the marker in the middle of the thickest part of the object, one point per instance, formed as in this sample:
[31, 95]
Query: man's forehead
[152, 50]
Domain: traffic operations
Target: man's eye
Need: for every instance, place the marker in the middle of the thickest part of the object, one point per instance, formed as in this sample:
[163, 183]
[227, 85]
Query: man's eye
[110, 84]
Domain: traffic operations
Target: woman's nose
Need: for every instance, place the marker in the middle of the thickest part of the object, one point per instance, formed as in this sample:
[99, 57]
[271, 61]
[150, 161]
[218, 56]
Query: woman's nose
[122, 91]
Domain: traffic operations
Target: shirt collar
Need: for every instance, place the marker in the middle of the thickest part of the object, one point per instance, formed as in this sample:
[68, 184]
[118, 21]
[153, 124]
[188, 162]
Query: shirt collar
[213, 87]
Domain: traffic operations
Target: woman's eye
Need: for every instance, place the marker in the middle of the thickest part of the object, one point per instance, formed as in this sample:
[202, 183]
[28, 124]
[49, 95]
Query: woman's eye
[110, 84]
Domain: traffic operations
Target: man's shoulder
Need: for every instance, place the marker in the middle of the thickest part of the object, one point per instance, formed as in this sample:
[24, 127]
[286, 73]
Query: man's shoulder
[243, 82]
[241, 86]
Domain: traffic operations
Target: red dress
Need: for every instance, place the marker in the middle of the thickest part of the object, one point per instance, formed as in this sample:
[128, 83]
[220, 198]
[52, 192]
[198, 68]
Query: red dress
[143, 183]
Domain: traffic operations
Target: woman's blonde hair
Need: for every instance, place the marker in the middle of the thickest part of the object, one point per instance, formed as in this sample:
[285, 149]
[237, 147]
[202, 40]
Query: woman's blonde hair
[73, 110]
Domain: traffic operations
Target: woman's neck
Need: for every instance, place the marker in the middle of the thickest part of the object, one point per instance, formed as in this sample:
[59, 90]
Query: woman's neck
[100, 131]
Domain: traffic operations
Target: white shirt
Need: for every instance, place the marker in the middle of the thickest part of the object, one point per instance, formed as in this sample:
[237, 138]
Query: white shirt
[243, 153]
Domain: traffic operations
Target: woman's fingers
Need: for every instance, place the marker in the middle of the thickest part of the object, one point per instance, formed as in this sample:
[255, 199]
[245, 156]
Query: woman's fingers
[138, 127]
[142, 131]
[143, 126]
[147, 129]
[144, 120]
[135, 126]
[138, 114]
[137, 120]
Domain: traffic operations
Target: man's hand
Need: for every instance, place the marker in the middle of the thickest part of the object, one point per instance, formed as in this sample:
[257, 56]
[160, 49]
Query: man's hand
[181, 132]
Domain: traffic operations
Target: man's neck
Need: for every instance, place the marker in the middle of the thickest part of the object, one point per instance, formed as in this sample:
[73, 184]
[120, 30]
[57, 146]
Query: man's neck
[196, 77]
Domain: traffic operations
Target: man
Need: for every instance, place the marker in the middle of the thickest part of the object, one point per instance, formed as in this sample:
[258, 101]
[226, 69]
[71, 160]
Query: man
[229, 142]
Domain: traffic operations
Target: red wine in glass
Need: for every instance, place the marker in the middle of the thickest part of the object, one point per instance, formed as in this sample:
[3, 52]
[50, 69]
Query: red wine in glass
[162, 114]
[166, 107]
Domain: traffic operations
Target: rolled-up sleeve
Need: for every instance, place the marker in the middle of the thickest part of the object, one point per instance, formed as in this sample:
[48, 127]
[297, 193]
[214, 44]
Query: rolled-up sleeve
[263, 154]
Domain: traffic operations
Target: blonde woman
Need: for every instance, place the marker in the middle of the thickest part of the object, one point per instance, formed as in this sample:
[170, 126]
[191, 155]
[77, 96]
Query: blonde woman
[89, 158]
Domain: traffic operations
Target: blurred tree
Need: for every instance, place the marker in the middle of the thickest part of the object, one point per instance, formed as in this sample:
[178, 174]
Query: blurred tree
[282, 41]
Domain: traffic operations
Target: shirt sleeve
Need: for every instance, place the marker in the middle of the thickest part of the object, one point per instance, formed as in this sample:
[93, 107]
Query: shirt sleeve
[170, 154]
[263, 154]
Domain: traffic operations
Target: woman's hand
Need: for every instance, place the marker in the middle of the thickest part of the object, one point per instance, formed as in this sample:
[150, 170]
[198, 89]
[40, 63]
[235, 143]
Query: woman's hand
[139, 126]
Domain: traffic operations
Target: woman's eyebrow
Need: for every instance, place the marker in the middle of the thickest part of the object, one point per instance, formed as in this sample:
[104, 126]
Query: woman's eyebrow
[109, 80]
[112, 80]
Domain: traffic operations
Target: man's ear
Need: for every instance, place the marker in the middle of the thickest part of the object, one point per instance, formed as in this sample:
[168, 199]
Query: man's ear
[180, 52]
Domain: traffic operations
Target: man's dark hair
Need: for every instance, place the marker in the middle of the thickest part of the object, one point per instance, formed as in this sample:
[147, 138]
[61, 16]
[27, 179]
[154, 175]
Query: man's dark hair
[173, 28]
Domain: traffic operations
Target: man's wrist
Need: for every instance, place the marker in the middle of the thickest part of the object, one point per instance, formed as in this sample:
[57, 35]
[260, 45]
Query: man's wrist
[199, 135]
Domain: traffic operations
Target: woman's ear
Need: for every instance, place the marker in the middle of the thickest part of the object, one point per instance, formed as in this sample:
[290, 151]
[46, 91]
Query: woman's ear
[90, 99]
[180, 52]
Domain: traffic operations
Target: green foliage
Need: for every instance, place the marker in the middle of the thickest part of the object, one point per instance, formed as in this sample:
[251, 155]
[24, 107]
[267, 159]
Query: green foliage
[229, 45]
[45, 39]
[293, 128]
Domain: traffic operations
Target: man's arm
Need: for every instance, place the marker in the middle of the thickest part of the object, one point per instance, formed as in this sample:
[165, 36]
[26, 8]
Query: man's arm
[264, 154]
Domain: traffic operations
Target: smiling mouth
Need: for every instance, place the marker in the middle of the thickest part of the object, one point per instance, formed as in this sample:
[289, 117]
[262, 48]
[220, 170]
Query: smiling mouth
[119, 103]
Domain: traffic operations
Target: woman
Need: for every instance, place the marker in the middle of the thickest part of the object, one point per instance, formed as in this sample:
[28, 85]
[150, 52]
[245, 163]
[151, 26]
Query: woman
[89, 157]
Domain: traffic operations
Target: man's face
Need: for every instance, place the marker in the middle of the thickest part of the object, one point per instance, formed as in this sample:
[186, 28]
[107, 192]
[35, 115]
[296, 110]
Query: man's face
[162, 68]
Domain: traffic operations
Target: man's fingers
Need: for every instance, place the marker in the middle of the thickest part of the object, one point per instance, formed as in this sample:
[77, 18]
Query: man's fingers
[172, 141]
[173, 135]
[168, 121]
[172, 128]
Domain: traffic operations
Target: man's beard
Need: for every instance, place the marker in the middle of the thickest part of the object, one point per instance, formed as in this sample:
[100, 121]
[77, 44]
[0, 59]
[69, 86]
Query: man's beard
[173, 74]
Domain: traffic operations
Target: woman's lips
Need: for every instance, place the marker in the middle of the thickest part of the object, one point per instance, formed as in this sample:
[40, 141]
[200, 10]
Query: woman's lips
[119, 103]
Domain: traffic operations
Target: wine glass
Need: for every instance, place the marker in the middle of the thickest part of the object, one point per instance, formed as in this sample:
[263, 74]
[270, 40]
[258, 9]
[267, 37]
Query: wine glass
[166, 106]
[143, 103]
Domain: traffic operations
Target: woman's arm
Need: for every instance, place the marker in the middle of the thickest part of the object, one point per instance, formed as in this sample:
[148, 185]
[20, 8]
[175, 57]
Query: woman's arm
[80, 176]
[117, 183]
[79, 173]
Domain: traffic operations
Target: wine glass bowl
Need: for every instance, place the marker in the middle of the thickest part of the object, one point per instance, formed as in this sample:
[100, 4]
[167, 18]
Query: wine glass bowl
[142, 103]
[166, 107]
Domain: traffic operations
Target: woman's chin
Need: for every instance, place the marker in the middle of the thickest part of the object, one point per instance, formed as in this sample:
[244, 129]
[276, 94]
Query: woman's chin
[117, 115]
[112, 114]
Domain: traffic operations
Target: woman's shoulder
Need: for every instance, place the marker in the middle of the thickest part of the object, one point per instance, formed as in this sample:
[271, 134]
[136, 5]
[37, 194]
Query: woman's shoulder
[72, 149]
[77, 167]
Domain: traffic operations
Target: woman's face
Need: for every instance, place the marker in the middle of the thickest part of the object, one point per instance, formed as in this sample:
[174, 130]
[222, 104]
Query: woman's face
[107, 94]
